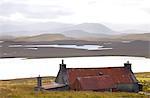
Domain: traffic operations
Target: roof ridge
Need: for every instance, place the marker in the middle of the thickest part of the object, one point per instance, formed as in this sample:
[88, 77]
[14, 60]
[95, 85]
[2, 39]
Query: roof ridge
[98, 67]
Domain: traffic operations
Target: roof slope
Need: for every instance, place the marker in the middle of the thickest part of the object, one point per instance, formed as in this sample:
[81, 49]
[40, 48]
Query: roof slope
[94, 83]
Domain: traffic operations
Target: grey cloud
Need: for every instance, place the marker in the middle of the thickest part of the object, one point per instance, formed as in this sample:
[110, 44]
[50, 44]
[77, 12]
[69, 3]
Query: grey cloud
[7, 9]
[147, 10]
[92, 2]
[33, 11]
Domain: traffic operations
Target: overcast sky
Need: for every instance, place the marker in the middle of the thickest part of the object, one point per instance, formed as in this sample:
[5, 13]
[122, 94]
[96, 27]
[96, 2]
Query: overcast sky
[128, 12]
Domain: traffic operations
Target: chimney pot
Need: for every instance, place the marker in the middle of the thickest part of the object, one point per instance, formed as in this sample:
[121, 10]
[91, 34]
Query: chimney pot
[62, 61]
[127, 65]
[62, 65]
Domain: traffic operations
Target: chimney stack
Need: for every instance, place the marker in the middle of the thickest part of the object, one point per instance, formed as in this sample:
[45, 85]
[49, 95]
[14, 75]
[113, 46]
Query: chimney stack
[39, 83]
[128, 65]
[62, 65]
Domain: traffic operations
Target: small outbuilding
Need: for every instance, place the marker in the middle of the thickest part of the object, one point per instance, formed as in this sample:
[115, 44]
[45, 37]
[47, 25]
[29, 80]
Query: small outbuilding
[96, 79]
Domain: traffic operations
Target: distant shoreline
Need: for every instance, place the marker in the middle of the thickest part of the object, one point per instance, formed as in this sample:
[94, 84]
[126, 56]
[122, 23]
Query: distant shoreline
[133, 49]
[74, 56]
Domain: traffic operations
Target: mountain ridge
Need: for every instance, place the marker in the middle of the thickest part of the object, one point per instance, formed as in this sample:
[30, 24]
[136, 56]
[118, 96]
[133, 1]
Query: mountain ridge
[52, 27]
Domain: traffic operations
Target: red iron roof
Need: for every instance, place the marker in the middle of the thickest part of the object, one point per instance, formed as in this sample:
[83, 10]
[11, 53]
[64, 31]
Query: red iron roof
[117, 74]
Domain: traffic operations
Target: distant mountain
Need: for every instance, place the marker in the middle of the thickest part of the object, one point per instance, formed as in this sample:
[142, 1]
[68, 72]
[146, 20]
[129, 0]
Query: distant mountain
[94, 28]
[19, 29]
[81, 34]
[43, 37]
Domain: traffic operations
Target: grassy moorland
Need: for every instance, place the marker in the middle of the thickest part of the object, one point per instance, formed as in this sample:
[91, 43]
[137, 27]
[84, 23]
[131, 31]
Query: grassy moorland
[24, 88]
[144, 78]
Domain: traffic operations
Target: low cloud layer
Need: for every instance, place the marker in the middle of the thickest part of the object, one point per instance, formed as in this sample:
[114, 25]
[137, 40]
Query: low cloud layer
[76, 11]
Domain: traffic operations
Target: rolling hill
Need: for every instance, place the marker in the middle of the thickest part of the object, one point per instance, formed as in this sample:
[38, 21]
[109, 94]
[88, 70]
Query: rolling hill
[144, 37]
[77, 35]
[43, 37]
